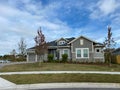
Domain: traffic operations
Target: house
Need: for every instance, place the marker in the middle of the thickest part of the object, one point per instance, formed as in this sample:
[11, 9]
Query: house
[116, 51]
[81, 49]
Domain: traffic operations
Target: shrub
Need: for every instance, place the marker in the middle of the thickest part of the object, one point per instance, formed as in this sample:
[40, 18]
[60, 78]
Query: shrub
[64, 57]
[50, 57]
[20, 58]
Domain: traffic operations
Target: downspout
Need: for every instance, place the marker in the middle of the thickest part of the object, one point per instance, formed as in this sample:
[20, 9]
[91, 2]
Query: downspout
[27, 57]
[70, 53]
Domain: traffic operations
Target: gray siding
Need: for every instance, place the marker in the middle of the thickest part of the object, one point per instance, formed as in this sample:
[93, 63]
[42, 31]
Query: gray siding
[86, 44]
[31, 57]
[93, 57]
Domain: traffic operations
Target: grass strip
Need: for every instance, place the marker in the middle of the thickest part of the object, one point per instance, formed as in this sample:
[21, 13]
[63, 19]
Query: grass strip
[59, 67]
[52, 78]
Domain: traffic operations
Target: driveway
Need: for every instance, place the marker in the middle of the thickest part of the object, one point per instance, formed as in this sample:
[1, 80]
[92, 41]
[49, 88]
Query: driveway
[6, 84]
[11, 63]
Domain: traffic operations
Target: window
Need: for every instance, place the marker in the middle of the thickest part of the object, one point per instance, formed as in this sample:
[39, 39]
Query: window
[65, 51]
[79, 53]
[81, 41]
[82, 53]
[61, 42]
[97, 50]
[85, 52]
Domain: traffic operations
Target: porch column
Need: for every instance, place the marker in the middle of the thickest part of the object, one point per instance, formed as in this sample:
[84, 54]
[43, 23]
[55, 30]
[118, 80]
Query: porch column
[54, 54]
[27, 57]
[36, 58]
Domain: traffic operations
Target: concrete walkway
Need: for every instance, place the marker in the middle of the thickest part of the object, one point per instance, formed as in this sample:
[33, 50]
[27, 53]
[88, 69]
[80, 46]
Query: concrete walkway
[6, 85]
[60, 72]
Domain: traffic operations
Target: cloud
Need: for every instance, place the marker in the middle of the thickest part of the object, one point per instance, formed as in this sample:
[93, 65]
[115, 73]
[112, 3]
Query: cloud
[106, 12]
[103, 8]
[22, 18]
[24, 23]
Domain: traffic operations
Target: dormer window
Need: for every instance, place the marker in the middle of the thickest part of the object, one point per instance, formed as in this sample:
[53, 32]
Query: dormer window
[61, 42]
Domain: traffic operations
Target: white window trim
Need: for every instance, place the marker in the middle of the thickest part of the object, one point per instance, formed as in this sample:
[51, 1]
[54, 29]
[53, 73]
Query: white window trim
[81, 41]
[99, 50]
[61, 42]
[82, 56]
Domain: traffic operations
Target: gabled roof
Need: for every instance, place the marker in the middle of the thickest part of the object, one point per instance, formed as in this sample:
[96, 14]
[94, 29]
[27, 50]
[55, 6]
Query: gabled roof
[54, 43]
[61, 39]
[31, 48]
[99, 44]
[82, 37]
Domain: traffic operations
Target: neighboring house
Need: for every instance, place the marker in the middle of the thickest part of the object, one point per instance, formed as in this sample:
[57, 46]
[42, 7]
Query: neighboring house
[116, 51]
[81, 49]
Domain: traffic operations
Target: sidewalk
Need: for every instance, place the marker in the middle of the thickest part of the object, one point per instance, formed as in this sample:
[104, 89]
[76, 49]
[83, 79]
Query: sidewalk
[59, 72]
[6, 85]
[61, 85]
[69, 85]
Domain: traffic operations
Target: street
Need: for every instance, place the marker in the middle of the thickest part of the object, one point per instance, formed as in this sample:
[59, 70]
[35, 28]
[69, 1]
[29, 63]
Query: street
[79, 89]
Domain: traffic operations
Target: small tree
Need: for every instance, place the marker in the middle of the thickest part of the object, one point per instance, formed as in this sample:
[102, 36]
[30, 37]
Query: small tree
[64, 57]
[50, 57]
[22, 48]
[41, 45]
[109, 44]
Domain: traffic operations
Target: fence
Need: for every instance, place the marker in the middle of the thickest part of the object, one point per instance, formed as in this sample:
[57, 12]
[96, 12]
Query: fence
[118, 59]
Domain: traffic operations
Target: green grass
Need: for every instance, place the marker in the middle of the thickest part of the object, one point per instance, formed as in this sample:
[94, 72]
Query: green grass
[52, 78]
[59, 67]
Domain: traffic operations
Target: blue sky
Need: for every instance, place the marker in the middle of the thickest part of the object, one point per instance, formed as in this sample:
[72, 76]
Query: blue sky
[58, 18]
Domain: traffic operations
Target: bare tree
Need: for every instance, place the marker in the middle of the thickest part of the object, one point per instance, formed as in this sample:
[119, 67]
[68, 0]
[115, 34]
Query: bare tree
[22, 47]
[41, 45]
[13, 52]
[109, 44]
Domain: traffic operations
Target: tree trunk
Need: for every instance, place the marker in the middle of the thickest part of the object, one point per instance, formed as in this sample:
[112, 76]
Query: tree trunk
[110, 59]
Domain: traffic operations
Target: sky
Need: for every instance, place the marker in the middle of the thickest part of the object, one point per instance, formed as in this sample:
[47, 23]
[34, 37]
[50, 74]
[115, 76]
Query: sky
[57, 18]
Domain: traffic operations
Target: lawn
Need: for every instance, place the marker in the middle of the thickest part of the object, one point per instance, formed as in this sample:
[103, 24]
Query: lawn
[59, 67]
[52, 78]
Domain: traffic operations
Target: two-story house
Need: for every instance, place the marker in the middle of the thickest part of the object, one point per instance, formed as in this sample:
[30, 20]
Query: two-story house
[81, 49]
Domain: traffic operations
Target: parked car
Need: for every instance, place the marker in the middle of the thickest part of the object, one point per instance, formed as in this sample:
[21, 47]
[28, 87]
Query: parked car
[1, 61]
[5, 61]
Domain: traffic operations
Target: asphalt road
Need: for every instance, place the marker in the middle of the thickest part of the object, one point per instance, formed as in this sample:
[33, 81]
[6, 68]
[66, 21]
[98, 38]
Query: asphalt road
[80, 89]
